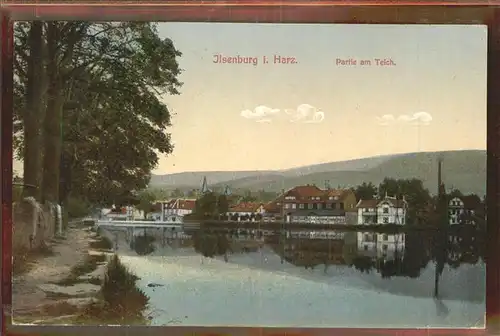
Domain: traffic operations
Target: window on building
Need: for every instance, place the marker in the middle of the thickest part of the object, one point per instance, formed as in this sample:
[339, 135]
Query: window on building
[384, 247]
[320, 206]
[294, 206]
[385, 237]
[386, 220]
[367, 237]
[301, 206]
[287, 206]
[341, 206]
[385, 210]
[310, 206]
[366, 247]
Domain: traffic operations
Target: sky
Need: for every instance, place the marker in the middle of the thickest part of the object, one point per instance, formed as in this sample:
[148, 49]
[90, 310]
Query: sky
[429, 96]
[319, 107]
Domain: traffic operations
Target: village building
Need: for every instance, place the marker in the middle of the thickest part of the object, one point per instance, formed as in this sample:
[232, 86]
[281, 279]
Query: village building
[388, 210]
[246, 211]
[311, 204]
[175, 209]
[156, 212]
[125, 213]
[463, 210]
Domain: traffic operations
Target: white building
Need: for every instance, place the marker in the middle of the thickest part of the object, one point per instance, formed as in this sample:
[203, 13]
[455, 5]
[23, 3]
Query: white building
[318, 216]
[122, 214]
[246, 211]
[386, 211]
[389, 210]
[460, 212]
[178, 207]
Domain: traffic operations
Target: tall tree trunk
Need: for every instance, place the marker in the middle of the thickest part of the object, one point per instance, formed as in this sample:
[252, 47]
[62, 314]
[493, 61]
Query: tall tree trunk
[53, 120]
[33, 113]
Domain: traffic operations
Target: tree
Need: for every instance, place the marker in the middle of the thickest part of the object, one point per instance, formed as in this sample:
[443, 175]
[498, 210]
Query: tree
[248, 197]
[455, 193]
[365, 191]
[412, 190]
[206, 205]
[192, 193]
[104, 119]
[222, 205]
[146, 200]
[159, 194]
[29, 91]
[177, 193]
[266, 196]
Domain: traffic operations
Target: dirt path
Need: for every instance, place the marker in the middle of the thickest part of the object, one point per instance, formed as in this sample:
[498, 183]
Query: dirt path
[35, 295]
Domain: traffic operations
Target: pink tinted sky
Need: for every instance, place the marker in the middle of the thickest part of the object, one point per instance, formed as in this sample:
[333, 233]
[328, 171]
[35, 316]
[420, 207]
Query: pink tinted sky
[440, 70]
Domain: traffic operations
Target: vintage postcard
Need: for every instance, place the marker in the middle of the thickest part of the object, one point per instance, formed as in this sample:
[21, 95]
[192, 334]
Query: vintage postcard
[210, 174]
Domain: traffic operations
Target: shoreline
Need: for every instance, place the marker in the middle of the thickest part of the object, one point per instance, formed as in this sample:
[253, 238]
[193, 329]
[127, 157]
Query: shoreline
[61, 287]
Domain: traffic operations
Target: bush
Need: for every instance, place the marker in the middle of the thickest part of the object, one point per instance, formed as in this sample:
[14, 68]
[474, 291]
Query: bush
[123, 301]
[77, 207]
[104, 243]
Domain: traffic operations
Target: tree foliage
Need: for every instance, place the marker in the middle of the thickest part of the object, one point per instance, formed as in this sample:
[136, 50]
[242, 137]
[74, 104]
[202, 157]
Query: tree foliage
[413, 190]
[365, 191]
[211, 205]
[103, 120]
[146, 201]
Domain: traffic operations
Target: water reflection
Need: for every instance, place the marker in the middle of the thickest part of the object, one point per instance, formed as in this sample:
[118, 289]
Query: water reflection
[388, 254]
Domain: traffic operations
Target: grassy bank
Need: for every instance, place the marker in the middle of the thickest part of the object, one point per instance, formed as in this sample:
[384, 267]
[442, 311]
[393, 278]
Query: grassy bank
[121, 301]
[88, 265]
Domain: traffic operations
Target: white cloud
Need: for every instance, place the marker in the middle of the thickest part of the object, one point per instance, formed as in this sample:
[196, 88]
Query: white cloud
[304, 113]
[260, 113]
[418, 118]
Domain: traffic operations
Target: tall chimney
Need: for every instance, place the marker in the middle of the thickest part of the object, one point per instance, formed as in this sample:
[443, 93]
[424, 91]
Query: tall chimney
[440, 178]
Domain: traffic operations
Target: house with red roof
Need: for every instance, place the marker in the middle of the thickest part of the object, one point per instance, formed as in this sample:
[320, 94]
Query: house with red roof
[246, 211]
[311, 204]
[173, 210]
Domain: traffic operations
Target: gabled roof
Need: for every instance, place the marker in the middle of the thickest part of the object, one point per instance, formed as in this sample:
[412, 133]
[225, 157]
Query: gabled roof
[181, 204]
[367, 204]
[469, 201]
[245, 207]
[272, 207]
[305, 191]
[397, 203]
[372, 204]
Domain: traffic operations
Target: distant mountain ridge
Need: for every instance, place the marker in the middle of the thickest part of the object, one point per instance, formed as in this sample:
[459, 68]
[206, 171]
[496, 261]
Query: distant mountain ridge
[463, 169]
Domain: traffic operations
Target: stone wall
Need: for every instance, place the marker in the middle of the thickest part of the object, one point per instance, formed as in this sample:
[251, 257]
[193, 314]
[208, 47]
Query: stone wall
[26, 235]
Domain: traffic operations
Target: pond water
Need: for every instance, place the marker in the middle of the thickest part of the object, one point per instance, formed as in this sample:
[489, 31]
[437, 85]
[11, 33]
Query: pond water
[341, 279]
